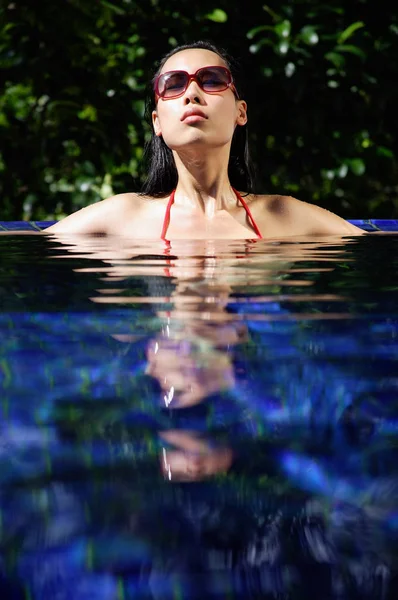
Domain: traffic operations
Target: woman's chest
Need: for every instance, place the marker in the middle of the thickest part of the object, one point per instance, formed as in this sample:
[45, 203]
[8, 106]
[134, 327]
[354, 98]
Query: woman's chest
[150, 219]
[184, 224]
[222, 225]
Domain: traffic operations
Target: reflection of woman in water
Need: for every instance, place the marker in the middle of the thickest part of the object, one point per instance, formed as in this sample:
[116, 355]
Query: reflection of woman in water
[198, 161]
[181, 497]
[192, 362]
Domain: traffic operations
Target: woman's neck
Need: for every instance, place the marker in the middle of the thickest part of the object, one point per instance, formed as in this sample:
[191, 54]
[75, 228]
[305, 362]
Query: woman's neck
[203, 182]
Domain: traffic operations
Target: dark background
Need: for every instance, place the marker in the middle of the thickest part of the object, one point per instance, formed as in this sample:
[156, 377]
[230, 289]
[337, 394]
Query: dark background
[321, 87]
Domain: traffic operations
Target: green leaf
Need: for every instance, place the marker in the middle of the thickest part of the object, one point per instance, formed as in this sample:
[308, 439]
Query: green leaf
[3, 121]
[282, 48]
[351, 49]
[349, 31]
[299, 50]
[88, 113]
[327, 174]
[269, 10]
[283, 28]
[217, 15]
[254, 48]
[357, 166]
[7, 27]
[337, 59]
[383, 151]
[250, 34]
[116, 9]
[309, 35]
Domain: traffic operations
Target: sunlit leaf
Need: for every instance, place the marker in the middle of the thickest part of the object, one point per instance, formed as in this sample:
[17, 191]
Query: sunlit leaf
[250, 34]
[349, 31]
[283, 47]
[283, 28]
[88, 113]
[217, 15]
[357, 166]
[106, 187]
[352, 50]
[309, 35]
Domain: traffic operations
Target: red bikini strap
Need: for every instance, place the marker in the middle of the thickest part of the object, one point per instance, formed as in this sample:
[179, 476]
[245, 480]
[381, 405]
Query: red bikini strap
[166, 221]
[247, 209]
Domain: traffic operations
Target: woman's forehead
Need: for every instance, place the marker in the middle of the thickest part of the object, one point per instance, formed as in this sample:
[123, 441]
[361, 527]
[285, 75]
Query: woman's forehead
[191, 60]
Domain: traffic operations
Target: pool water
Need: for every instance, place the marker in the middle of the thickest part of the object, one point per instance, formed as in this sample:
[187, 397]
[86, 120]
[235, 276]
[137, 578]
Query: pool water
[198, 420]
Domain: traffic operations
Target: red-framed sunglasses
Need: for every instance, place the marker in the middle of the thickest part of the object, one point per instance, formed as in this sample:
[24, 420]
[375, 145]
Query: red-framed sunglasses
[211, 80]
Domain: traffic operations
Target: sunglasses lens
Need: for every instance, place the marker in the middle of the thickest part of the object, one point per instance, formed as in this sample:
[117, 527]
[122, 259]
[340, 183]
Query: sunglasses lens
[214, 79]
[172, 84]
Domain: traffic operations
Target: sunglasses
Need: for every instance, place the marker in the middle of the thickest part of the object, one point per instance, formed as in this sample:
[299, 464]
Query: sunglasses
[210, 79]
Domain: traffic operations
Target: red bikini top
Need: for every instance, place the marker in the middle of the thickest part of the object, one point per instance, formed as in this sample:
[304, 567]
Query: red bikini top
[166, 222]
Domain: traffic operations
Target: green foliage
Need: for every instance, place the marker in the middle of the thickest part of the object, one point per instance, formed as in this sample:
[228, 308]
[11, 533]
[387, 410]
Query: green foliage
[321, 91]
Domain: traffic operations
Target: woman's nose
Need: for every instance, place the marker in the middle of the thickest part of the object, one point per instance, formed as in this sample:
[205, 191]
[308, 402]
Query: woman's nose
[193, 93]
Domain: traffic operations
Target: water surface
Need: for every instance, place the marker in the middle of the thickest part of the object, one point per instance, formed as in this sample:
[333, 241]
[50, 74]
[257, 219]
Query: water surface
[198, 420]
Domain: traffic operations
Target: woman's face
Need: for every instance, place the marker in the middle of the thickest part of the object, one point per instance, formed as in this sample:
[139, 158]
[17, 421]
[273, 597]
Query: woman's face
[222, 111]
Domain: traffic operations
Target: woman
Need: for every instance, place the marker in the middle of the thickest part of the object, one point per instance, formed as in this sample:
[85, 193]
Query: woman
[198, 160]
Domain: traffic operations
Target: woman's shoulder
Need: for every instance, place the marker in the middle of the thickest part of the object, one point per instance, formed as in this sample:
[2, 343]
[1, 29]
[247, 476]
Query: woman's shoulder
[273, 202]
[100, 217]
[300, 217]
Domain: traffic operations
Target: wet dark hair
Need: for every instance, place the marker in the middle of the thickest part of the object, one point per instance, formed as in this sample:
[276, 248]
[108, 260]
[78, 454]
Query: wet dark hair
[162, 173]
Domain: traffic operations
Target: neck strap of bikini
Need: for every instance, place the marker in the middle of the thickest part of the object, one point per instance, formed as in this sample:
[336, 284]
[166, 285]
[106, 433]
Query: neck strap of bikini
[166, 222]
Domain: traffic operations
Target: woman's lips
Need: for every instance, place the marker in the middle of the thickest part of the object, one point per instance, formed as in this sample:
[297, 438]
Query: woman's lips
[193, 119]
[191, 116]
